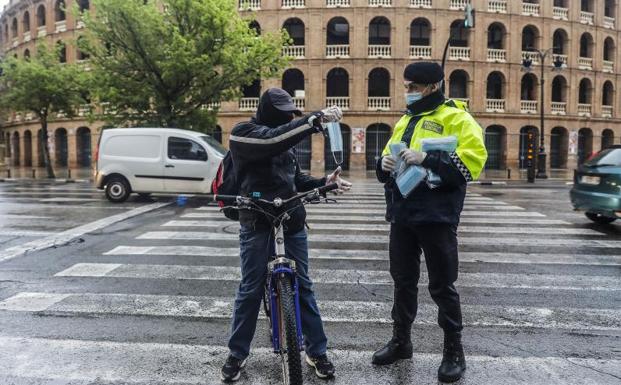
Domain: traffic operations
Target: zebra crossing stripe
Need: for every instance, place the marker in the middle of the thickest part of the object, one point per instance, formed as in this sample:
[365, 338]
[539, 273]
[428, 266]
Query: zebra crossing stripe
[332, 311]
[338, 276]
[375, 212]
[24, 233]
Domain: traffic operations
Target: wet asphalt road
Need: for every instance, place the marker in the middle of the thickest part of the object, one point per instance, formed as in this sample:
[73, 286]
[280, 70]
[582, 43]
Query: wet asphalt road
[144, 297]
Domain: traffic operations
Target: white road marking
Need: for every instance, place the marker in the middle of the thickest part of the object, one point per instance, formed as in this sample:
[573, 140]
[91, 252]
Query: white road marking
[338, 276]
[25, 233]
[332, 311]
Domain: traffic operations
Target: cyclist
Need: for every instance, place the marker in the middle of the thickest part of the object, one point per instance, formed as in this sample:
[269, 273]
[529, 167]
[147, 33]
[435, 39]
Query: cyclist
[265, 162]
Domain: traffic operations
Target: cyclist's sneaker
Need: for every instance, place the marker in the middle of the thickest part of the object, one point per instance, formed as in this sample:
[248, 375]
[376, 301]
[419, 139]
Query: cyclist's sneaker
[231, 371]
[323, 366]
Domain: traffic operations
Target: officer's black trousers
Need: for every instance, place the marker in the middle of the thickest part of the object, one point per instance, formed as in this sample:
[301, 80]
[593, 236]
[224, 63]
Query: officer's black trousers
[439, 243]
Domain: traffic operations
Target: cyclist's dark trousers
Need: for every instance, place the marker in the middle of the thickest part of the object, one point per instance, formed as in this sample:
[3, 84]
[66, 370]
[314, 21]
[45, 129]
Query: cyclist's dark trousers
[439, 243]
[255, 247]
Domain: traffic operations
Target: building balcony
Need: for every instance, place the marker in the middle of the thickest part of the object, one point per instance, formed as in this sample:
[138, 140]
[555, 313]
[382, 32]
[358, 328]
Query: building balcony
[300, 103]
[60, 26]
[559, 108]
[560, 13]
[337, 51]
[420, 3]
[294, 51]
[29, 117]
[340, 101]
[459, 53]
[530, 9]
[249, 5]
[338, 3]
[609, 22]
[381, 103]
[607, 111]
[248, 104]
[80, 24]
[531, 55]
[458, 5]
[495, 105]
[559, 57]
[18, 117]
[41, 31]
[290, 4]
[528, 106]
[585, 63]
[499, 6]
[420, 52]
[27, 36]
[379, 51]
[380, 3]
[84, 110]
[214, 106]
[608, 66]
[496, 55]
[584, 109]
[15, 42]
[587, 17]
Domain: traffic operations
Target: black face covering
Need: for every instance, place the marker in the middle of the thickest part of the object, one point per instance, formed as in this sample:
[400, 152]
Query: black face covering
[269, 115]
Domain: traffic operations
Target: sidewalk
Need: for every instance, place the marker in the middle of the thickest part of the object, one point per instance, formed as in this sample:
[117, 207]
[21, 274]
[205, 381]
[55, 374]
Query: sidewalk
[63, 175]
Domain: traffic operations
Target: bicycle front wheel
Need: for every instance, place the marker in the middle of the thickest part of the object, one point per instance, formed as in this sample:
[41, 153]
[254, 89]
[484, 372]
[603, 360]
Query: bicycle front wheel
[290, 348]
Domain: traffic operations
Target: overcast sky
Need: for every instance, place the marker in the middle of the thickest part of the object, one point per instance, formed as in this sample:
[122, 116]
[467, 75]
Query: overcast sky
[3, 3]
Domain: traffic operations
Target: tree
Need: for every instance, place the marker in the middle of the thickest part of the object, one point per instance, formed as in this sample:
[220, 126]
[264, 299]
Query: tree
[43, 86]
[160, 63]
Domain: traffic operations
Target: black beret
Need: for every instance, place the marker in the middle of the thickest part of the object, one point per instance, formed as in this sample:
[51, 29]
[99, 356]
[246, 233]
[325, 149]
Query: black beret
[423, 72]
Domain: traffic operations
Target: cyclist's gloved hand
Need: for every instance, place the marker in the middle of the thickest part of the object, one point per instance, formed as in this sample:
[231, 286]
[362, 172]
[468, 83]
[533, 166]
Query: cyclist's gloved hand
[388, 163]
[413, 157]
[335, 177]
[315, 119]
[332, 114]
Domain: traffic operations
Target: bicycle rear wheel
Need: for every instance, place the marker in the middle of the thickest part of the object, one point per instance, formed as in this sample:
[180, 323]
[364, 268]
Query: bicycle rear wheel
[290, 348]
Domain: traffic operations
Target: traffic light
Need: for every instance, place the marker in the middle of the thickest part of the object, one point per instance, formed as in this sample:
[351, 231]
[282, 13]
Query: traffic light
[469, 16]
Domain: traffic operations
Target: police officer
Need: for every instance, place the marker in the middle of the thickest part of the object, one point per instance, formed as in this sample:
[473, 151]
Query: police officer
[426, 221]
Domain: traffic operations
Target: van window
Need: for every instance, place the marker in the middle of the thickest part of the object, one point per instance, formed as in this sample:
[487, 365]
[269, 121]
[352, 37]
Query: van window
[186, 149]
[214, 144]
[133, 146]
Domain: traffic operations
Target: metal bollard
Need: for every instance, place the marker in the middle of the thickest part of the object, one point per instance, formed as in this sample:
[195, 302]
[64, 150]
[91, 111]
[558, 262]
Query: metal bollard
[508, 173]
[8, 173]
[68, 173]
[34, 173]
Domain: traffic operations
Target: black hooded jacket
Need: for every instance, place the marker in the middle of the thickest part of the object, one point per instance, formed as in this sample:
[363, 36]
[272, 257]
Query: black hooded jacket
[265, 161]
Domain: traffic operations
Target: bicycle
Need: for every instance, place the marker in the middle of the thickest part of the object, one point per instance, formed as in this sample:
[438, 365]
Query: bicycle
[281, 286]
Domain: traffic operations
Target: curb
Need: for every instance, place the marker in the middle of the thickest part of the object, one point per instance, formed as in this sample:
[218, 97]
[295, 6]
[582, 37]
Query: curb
[48, 180]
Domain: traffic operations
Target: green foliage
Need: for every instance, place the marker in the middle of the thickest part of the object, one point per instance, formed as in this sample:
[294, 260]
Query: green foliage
[160, 63]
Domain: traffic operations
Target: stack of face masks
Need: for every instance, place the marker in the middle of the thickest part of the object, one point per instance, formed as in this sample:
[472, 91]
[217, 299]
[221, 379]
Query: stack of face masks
[447, 144]
[407, 178]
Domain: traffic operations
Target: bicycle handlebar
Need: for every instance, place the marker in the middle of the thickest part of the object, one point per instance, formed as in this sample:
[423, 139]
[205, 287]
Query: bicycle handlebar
[277, 202]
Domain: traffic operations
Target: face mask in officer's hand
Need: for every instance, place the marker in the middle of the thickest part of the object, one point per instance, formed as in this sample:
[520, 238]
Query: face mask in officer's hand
[333, 130]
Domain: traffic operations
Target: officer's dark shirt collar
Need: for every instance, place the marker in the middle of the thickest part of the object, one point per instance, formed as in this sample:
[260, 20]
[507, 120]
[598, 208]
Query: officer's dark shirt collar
[426, 104]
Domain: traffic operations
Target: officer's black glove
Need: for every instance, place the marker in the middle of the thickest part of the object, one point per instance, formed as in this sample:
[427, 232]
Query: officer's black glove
[315, 120]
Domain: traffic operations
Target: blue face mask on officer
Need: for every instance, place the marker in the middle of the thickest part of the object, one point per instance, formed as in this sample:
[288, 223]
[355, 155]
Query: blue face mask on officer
[412, 96]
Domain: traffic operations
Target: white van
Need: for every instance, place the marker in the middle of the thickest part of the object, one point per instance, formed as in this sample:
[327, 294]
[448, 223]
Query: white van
[155, 160]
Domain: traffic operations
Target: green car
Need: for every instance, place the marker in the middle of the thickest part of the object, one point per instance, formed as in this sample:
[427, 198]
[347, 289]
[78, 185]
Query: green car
[597, 186]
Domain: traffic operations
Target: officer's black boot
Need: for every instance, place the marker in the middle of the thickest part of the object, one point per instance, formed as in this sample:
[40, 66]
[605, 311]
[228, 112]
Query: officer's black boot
[399, 347]
[453, 362]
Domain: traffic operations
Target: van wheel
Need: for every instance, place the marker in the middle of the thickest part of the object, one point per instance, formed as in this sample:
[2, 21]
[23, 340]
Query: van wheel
[117, 189]
[598, 218]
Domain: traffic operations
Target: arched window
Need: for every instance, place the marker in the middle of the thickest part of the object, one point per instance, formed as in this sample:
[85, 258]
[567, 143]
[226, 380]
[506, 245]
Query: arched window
[377, 135]
[217, 134]
[254, 25]
[60, 145]
[586, 45]
[253, 90]
[608, 92]
[585, 92]
[27, 148]
[609, 8]
[338, 31]
[530, 38]
[459, 34]
[559, 42]
[16, 149]
[420, 32]
[59, 10]
[62, 51]
[14, 28]
[26, 22]
[608, 138]
[84, 5]
[379, 83]
[27, 54]
[559, 143]
[295, 29]
[292, 81]
[337, 83]
[559, 89]
[81, 55]
[529, 87]
[585, 144]
[495, 85]
[83, 146]
[609, 49]
[586, 5]
[495, 143]
[41, 16]
[458, 84]
[496, 36]
[379, 31]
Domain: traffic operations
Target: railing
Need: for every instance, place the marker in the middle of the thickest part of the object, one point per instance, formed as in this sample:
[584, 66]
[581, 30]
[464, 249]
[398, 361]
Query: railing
[379, 51]
[248, 104]
[530, 9]
[41, 31]
[294, 51]
[558, 57]
[15, 42]
[459, 53]
[380, 3]
[609, 22]
[496, 55]
[18, 117]
[211, 106]
[288, 4]
[585, 63]
[379, 103]
[584, 109]
[532, 55]
[337, 3]
[587, 17]
[559, 108]
[339, 101]
[497, 6]
[300, 103]
[249, 5]
[607, 111]
[495, 105]
[458, 4]
[608, 66]
[61, 26]
[528, 106]
[84, 110]
[420, 3]
[27, 36]
[29, 116]
[420, 52]
[560, 13]
[80, 24]
[336, 51]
